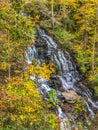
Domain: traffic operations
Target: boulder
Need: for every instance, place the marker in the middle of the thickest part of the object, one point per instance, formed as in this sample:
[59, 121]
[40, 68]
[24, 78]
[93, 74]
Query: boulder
[70, 96]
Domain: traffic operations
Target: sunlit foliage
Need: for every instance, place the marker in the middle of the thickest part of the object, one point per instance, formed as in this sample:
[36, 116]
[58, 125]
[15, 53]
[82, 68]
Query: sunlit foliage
[21, 106]
[44, 71]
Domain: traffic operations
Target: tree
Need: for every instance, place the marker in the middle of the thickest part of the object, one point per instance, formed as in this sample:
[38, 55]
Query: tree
[95, 39]
[16, 32]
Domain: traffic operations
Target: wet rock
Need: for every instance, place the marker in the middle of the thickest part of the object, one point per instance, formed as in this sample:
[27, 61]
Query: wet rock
[70, 96]
[95, 98]
[60, 97]
[56, 83]
[40, 42]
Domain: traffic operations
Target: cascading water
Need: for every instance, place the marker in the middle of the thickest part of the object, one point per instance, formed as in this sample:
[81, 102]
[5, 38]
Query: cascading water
[66, 73]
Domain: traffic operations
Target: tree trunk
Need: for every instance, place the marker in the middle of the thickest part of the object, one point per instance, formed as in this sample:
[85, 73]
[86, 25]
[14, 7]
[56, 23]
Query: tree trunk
[52, 15]
[93, 52]
[85, 37]
[85, 29]
[94, 43]
[9, 66]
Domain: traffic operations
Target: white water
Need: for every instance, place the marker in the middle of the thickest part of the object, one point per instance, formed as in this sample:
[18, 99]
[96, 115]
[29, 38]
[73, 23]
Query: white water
[66, 72]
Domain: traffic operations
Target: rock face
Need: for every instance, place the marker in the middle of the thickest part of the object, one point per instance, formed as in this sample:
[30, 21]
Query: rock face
[70, 96]
[94, 125]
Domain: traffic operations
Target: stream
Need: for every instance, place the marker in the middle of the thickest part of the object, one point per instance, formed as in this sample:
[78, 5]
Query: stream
[65, 79]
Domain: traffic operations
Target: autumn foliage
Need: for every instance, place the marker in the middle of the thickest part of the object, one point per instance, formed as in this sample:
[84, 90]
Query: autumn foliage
[21, 106]
[75, 25]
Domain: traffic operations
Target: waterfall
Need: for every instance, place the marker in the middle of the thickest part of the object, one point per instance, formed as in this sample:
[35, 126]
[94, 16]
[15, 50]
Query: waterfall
[66, 73]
